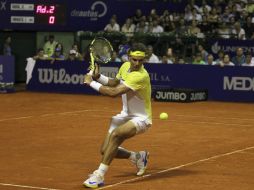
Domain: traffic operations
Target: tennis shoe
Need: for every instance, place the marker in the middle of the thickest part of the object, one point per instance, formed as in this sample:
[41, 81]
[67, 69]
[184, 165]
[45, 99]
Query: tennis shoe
[141, 163]
[94, 181]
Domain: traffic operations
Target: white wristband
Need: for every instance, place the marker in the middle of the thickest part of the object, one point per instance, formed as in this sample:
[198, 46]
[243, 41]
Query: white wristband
[103, 79]
[95, 85]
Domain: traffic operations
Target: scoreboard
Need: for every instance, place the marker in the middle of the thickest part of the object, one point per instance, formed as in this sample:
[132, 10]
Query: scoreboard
[71, 15]
[33, 15]
[53, 14]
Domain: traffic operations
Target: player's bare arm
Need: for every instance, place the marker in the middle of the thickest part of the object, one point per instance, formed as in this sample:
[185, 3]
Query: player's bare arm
[114, 87]
[114, 91]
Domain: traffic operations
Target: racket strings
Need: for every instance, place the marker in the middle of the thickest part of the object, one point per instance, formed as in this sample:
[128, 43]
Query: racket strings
[102, 51]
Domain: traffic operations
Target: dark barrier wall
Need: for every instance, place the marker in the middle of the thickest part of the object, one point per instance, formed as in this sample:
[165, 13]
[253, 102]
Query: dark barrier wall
[69, 15]
[222, 83]
[7, 76]
[7, 69]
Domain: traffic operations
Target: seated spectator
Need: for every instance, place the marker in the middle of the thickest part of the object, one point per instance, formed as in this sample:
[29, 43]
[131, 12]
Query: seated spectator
[210, 60]
[152, 16]
[50, 45]
[58, 54]
[198, 59]
[128, 28]
[164, 60]
[152, 58]
[180, 60]
[123, 51]
[141, 27]
[248, 26]
[226, 15]
[167, 24]
[204, 7]
[7, 47]
[115, 58]
[79, 56]
[187, 13]
[239, 59]
[226, 61]
[72, 55]
[170, 56]
[248, 61]
[195, 16]
[181, 28]
[194, 30]
[155, 27]
[137, 17]
[238, 31]
[205, 26]
[203, 52]
[40, 55]
[220, 58]
[224, 31]
[213, 17]
[113, 26]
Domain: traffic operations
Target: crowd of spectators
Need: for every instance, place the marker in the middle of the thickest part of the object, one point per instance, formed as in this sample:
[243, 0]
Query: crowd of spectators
[53, 50]
[227, 19]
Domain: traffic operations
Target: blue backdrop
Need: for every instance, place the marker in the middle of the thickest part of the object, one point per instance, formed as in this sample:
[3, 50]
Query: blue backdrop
[222, 83]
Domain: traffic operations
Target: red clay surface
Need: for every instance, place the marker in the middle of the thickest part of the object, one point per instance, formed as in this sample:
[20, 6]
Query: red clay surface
[52, 141]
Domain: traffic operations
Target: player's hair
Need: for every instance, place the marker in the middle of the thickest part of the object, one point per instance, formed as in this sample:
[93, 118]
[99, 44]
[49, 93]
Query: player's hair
[138, 47]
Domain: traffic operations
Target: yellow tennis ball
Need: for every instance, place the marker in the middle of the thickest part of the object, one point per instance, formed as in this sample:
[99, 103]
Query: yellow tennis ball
[163, 116]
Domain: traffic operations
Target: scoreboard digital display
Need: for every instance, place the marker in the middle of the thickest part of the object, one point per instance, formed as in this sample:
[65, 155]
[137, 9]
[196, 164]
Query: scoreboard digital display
[50, 14]
[53, 14]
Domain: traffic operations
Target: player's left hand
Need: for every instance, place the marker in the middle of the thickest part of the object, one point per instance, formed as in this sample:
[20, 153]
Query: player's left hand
[96, 72]
[88, 79]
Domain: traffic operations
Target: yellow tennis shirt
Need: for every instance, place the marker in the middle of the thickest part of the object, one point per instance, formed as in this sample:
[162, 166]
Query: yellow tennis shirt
[136, 102]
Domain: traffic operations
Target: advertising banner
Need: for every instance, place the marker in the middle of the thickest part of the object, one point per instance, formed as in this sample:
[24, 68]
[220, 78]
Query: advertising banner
[221, 83]
[230, 46]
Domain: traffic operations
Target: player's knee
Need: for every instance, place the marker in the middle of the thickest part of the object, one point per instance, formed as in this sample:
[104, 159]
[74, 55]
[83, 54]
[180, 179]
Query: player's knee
[116, 136]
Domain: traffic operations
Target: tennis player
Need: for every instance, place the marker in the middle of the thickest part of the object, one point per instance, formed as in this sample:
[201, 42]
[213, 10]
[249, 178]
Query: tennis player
[133, 83]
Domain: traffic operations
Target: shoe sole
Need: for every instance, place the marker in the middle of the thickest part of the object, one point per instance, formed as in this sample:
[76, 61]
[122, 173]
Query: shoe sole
[93, 186]
[142, 172]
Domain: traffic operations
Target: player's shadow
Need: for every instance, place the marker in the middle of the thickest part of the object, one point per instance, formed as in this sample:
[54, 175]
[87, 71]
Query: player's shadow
[156, 175]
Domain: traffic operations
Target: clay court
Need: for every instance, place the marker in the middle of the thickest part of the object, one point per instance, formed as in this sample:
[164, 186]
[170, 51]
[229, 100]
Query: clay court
[52, 141]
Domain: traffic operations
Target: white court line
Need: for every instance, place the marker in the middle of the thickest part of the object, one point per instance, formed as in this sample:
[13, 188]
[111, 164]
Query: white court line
[17, 118]
[50, 114]
[176, 167]
[25, 186]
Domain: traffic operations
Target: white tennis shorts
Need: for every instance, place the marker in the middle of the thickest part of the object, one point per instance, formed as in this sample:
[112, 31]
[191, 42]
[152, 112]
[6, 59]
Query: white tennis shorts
[140, 123]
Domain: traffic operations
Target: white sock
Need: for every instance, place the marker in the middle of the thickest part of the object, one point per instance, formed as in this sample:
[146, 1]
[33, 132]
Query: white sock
[133, 157]
[103, 168]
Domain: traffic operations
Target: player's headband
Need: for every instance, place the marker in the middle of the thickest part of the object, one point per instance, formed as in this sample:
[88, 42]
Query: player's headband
[138, 53]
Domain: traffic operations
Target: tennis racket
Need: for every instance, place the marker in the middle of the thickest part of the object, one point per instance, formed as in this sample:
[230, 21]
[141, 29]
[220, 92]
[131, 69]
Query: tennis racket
[101, 52]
